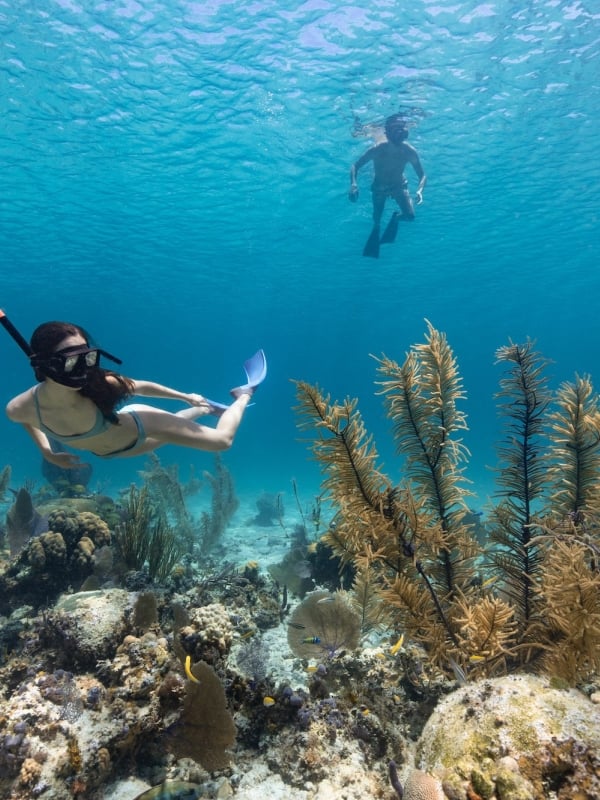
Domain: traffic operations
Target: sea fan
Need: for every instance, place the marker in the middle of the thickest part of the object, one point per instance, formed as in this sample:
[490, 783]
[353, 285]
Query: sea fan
[323, 626]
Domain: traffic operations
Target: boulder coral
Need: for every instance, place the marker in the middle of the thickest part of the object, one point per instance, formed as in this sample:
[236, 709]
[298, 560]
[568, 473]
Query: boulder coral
[209, 634]
[513, 738]
[54, 560]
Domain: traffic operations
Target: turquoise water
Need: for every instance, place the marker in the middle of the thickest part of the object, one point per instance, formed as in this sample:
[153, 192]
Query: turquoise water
[175, 175]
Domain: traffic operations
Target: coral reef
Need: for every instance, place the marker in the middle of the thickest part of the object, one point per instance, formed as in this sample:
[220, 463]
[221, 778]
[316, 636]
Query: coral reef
[71, 482]
[101, 686]
[54, 560]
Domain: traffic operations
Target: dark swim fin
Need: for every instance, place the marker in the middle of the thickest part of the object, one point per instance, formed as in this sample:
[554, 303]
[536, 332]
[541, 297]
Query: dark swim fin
[371, 248]
[256, 371]
[389, 234]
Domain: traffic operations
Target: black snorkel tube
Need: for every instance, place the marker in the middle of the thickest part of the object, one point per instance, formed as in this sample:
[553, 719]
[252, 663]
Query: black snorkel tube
[24, 344]
[7, 324]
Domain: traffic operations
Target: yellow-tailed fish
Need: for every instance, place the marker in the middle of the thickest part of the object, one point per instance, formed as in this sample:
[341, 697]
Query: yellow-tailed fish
[395, 647]
[311, 640]
[171, 790]
[489, 582]
[476, 659]
[268, 702]
[188, 669]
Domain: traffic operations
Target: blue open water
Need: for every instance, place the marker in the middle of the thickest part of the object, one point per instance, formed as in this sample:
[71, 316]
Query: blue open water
[175, 176]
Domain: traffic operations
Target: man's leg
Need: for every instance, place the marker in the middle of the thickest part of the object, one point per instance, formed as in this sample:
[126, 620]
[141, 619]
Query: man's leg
[371, 248]
[405, 202]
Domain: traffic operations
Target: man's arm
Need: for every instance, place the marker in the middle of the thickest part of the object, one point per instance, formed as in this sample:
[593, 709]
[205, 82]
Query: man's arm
[364, 159]
[420, 172]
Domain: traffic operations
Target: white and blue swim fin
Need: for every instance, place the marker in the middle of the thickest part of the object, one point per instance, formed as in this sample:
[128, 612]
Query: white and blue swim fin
[256, 371]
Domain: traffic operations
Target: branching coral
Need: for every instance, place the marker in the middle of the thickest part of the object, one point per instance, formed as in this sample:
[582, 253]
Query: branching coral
[224, 504]
[521, 476]
[5, 476]
[409, 541]
[412, 544]
[145, 537]
[167, 495]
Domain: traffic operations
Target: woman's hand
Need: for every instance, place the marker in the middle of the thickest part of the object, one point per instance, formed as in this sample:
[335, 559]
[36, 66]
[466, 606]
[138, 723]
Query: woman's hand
[196, 400]
[63, 460]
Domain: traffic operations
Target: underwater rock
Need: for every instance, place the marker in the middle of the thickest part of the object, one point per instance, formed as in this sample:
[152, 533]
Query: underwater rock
[511, 738]
[90, 624]
[270, 510]
[23, 522]
[171, 790]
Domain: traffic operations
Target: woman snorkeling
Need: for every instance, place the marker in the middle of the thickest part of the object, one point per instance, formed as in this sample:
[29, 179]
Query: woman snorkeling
[76, 402]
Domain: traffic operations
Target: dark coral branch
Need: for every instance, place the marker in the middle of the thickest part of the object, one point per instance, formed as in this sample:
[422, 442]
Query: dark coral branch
[395, 780]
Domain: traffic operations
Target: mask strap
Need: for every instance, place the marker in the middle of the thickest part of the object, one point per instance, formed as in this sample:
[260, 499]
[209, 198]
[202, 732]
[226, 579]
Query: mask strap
[107, 355]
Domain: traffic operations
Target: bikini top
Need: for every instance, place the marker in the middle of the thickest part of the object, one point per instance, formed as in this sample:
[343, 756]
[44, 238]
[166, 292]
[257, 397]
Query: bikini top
[102, 424]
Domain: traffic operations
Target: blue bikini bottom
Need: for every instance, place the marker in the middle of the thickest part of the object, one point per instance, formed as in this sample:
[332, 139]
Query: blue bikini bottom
[141, 438]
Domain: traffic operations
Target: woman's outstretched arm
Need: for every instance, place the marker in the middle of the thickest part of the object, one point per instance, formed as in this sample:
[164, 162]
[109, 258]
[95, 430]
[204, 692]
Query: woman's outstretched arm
[150, 389]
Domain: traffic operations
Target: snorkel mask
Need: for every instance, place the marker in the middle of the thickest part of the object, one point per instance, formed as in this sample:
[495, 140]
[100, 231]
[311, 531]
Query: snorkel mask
[69, 366]
[396, 129]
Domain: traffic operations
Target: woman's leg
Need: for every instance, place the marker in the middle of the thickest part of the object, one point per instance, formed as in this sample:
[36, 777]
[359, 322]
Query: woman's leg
[162, 427]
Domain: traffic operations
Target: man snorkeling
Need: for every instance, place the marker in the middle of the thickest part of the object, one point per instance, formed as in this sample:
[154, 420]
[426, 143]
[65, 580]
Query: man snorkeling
[389, 160]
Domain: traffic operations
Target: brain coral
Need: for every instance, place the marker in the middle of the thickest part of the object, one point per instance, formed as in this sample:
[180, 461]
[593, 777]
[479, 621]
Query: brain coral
[421, 786]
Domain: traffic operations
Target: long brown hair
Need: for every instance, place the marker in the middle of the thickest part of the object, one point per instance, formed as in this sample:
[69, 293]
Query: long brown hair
[106, 395]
